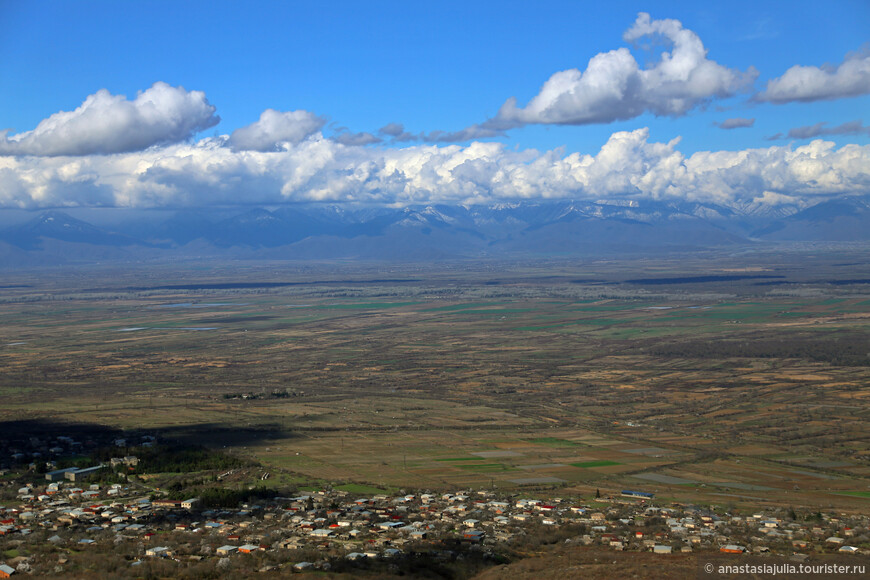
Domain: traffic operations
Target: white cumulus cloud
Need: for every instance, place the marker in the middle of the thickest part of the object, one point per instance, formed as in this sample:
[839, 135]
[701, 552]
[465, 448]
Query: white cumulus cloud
[809, 83]
[107, 123]
[615, 87]
[274, 129]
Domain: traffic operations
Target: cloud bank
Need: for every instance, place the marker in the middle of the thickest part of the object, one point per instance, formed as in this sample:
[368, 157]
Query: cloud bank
[106, 124]
[275, 129]
[614, 87]
[809, 83]
[317, 169]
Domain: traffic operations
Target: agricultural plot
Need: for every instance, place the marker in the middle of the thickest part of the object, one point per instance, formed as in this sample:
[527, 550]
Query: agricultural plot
[466, 377]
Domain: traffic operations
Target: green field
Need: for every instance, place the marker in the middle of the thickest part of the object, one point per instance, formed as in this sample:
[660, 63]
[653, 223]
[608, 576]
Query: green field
[857, 493]
[361, 489]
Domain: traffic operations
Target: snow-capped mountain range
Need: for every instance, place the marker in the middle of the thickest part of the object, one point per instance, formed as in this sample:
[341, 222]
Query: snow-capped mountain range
[426, 232]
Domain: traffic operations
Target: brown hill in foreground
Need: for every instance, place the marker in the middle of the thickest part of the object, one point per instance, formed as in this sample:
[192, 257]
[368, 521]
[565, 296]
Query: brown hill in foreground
[571, 561]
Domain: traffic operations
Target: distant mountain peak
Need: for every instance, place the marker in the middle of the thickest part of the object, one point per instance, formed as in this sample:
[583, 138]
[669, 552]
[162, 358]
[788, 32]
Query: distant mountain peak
[54, 220]
[57, 225]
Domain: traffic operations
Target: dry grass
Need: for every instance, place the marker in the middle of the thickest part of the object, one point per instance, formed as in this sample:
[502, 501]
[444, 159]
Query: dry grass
[380, 391]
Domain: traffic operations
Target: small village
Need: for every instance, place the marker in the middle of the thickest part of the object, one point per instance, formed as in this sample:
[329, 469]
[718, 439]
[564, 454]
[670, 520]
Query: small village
[56, 522]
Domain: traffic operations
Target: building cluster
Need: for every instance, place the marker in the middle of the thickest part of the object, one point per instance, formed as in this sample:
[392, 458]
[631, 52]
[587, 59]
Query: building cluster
[38, 452]
[333, 525]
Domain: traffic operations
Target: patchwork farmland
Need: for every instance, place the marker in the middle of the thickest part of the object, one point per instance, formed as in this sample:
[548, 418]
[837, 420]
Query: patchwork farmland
[558, 375]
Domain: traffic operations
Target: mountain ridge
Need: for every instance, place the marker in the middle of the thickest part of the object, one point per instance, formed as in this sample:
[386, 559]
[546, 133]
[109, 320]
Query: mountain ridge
[428, 232]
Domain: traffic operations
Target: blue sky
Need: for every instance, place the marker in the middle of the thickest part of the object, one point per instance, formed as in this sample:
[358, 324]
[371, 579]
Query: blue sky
[357, 67]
